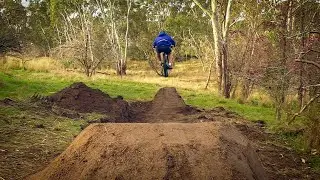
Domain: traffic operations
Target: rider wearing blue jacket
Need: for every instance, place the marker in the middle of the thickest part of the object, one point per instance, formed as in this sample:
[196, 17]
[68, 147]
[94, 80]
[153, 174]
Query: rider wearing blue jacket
[163, 43]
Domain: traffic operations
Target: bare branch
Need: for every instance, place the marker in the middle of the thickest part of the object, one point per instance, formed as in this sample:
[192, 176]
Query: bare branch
[302, 33]
[312, 50]
[303, 108]
[202, 8]
[309, 62]
[151, 63]
[313, 85]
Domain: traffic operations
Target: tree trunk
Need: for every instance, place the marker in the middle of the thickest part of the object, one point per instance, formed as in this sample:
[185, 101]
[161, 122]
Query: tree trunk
[225, 72]
[220, 46]
[122, 62]
[245, 90]
[301, 65]
[234, 88]
[209, 75]
[283, 84]
[217, 47]
[226, 83]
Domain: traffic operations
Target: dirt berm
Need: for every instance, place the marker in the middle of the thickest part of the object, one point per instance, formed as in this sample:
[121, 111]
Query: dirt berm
[157, 151]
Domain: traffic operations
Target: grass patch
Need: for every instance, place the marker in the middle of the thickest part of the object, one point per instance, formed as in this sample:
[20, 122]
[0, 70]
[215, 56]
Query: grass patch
[20, 84]
[31, 136]
[315, 163]
[208, 100]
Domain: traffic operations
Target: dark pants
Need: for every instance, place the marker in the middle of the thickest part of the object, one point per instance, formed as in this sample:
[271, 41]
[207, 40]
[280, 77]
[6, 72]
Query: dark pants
[164, 49]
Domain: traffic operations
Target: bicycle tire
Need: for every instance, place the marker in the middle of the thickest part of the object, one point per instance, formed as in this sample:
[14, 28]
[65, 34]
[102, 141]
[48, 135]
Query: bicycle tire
[165, 65]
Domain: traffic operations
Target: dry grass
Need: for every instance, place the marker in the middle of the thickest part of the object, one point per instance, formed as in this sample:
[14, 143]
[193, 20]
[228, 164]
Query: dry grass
[43, 64]
[188, 75]
[35, 64]
[10, 63]
[185, 75]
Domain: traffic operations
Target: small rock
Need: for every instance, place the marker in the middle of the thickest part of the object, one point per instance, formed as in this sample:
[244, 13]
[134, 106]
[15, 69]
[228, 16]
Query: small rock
[119, 97]
[83, 126]
[260, 123]
[39, 126]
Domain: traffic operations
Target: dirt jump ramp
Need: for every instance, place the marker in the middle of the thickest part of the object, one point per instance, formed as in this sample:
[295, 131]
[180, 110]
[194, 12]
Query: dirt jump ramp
[156, 151]
[167, 106]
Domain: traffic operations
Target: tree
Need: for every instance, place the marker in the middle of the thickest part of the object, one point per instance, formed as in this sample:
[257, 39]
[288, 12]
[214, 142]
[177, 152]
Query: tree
[13, 25]
[39, 26]
[220, 36]
[81, 37]
[112, 18]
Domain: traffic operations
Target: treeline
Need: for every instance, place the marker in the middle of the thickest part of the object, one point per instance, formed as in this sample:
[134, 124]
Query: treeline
[242, 44]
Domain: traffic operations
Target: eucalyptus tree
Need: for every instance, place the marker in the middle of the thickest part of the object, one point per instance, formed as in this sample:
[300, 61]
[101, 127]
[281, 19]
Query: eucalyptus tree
[13, 25]
[91, 32]
[220, 31]
[39, 26]
[78, 35]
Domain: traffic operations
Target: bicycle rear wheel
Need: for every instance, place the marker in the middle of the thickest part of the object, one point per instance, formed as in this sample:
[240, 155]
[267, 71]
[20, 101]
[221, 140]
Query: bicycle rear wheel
[165, 65]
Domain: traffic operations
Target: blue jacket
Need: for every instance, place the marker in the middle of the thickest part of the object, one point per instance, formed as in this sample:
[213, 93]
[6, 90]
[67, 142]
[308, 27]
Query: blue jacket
[164, 39]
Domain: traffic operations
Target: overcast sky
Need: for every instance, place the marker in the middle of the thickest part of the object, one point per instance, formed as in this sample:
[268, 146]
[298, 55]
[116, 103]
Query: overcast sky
[25, 3]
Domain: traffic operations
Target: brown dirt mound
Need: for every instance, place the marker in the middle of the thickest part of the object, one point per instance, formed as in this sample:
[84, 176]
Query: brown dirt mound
[167, 98]
[81, 98]
[157, 151]
[168, 106]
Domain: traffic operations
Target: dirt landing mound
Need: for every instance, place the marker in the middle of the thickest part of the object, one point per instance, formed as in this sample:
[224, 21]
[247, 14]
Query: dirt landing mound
[167, 98]
[81, 98]
[168, 106]
[156, 151]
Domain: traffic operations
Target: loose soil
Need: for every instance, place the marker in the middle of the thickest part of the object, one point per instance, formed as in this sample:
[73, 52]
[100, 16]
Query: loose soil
[80, 98]
[164, 139]
[157, 151]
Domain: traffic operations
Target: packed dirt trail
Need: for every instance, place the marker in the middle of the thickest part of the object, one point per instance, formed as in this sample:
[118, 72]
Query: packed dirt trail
[163, 139]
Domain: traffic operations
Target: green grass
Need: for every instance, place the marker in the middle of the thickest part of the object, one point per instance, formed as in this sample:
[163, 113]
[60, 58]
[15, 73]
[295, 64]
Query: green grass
[19, 84]
[209, 100]
[315, 163]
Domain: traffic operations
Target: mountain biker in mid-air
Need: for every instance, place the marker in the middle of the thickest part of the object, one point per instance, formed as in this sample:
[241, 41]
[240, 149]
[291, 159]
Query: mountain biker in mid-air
[163, 44]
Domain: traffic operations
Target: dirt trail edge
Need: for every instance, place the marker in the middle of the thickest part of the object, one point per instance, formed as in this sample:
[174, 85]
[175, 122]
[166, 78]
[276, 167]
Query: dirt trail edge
[157, 151]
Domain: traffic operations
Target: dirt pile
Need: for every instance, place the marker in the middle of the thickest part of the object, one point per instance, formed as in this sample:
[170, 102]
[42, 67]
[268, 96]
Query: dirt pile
[167, 98]
[168, 106]
[157, 151]
[81, 98]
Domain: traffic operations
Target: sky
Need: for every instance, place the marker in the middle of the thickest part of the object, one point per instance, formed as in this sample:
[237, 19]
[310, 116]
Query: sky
[25, 3]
